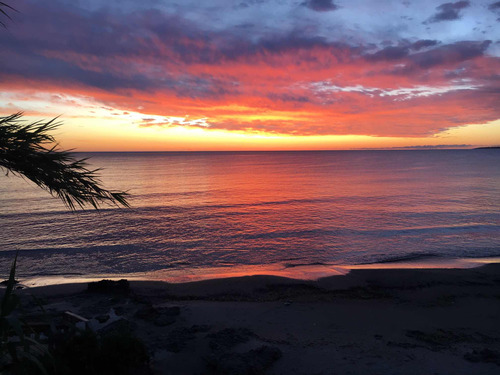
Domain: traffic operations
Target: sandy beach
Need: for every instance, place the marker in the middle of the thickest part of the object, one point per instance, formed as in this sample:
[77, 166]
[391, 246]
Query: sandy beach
[370, 321]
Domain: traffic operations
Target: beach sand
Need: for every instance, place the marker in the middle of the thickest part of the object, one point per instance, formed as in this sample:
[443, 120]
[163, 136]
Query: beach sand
[370, 321]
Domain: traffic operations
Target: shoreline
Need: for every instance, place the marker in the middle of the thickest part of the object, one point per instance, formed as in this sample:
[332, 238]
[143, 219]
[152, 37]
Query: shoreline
[305, 272]
[390, 321]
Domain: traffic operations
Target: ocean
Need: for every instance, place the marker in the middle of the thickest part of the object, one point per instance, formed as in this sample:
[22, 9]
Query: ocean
[195, 213]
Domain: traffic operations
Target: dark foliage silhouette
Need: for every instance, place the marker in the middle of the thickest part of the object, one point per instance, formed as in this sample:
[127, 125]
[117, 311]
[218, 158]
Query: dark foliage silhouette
[29, 150]
[4, 9]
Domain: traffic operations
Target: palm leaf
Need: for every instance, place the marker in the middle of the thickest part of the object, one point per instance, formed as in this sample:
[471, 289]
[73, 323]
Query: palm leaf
[30, 151]
[2, 11]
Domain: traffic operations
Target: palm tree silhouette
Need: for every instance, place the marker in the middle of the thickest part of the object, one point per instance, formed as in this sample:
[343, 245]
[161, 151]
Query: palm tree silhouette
[24, 152]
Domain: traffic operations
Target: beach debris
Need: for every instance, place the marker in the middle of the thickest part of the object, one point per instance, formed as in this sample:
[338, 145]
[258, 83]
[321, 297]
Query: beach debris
[224, 360]
[177, 339]
[109, 286]
[485, 355]
[147, 313]
[77, 320]
[119, 310]
[120, 326]
[255, 361]
[164, 320]
[103, 318]
[159, 316]
[440, 337]
[200, 328]
[229, 337]
[170, 310]
[404, 345]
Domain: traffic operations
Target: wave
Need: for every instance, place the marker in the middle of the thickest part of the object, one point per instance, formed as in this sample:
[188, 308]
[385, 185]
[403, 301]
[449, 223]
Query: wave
[292, 265]
[70, 250]
[486, 252]
[449, 229]
[407, 258]
[441, 229]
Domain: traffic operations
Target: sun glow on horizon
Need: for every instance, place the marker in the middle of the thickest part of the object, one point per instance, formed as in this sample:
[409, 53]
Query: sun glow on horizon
[90, 126]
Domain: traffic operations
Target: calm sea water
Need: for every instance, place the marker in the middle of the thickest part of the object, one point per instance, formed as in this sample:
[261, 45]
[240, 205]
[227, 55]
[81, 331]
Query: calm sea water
[192, 211]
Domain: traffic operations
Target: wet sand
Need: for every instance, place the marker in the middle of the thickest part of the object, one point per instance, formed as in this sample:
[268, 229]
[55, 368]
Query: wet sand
[370, 321]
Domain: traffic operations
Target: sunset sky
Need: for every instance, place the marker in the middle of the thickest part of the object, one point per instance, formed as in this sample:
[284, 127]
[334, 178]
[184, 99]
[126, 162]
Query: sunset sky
[254, 74]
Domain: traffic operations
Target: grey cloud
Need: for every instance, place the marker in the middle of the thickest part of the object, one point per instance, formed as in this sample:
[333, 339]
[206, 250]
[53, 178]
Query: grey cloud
[36, 66]
[450, 53]
[423, 43]
[448, 56]
[494, 7]
[389, 53]
[449, 11]
[320, 5]
[289, 98]
[430, 147]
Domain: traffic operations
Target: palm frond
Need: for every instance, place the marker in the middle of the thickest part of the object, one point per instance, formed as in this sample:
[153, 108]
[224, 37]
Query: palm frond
[4, 13]
[24, 152]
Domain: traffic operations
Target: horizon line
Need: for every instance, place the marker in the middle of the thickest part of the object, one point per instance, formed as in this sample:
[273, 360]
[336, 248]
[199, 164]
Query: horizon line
[325, 150]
